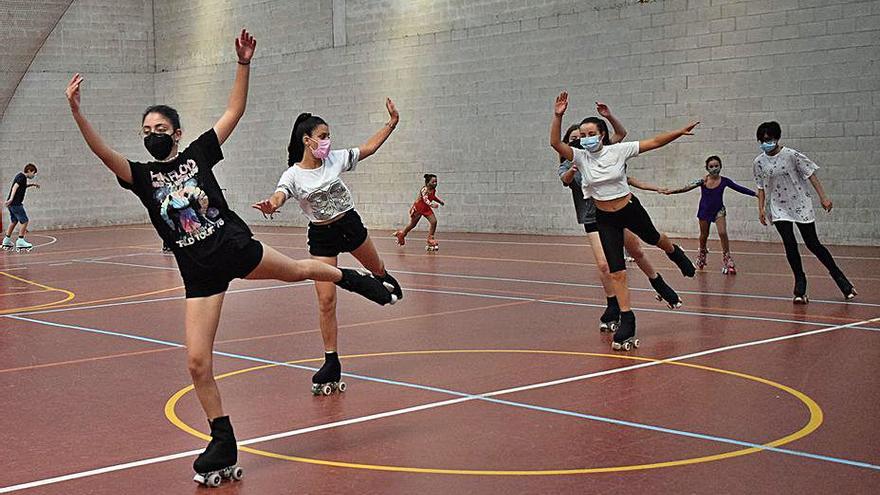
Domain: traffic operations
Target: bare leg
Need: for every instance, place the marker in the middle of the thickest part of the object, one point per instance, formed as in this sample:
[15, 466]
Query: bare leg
[277, 266]
[369, 258]
[601, 263]
[634, 248]
[23, 231]
[704, 234]
[433, 221]
[721, 225]
[618, 282]
[413, 221]
[202, 319]
[11, 228]
[327, 308]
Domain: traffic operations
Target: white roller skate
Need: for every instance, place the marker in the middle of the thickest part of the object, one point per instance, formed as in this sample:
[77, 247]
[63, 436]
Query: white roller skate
[7, 244]
[727, 266]
[432, 246]
[702, 257]
[401, 237]
[23, 245]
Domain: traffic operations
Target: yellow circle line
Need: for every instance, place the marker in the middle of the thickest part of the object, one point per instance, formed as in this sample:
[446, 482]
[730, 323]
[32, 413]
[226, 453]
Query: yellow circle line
[69, 295]
[816, 418]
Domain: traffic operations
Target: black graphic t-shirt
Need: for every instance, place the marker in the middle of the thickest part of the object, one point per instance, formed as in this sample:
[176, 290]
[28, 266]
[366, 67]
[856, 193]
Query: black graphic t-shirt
[21, 180]
[187, 207]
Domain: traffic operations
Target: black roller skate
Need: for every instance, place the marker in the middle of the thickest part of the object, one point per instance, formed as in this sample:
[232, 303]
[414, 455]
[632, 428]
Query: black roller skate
[625, 336]
[665, 292]
[217, 462]
[368, 286]
[610, 319]
[388, 279]
[800, 289]
[849, 292]
[684, 263]
[328, 378]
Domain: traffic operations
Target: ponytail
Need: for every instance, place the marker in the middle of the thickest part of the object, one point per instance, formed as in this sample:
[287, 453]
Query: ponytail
[304, 125]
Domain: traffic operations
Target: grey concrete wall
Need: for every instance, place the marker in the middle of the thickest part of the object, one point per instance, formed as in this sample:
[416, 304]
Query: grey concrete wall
[111, 43]
[475, 80]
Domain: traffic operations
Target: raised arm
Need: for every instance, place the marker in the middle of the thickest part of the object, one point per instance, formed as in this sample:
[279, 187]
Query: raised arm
[616, 125]
[117, 163]
[559, 108]
[693, 185]
[269, 206]
[245, 45]
[661, 140]
[740, 189]
[382, 134]
[644, 186]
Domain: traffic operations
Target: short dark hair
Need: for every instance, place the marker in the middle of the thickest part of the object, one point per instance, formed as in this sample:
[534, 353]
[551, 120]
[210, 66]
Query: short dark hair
[167, 112]
[30, 167]
[304, 124]
[603, 127]
[770, 129]
[713, 157]
[428, 177]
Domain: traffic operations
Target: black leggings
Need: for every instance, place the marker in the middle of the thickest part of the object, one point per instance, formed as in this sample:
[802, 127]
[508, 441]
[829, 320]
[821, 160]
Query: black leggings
[808, 232]
[611, 225]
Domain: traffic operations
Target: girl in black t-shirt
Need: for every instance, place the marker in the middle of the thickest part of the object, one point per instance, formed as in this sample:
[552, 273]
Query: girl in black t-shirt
[211, 243]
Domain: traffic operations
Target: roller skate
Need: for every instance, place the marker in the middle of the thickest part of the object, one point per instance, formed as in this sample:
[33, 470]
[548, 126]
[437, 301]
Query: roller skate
[23, 245]
[727, 266]
[401, 237]
[217, 462]
[610, 319]
[849, 292]
[627, 258]
[625, 336]
[665, 293]
[682, 261]
[702, 258]
[432, 245]
[800, 290]
[327, 379]
[388, 279]
[7, 244]
[368, 286]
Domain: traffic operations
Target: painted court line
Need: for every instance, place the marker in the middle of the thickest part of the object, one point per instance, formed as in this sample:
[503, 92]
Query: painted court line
[463, 398]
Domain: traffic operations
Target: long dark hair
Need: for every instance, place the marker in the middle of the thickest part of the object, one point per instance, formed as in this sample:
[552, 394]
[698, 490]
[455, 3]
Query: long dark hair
[566, 136]
[304, 125]
[603, 128]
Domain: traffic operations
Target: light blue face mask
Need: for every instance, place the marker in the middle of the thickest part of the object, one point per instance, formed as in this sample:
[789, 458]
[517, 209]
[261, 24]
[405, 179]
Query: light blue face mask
[768, 146]
[591, 143]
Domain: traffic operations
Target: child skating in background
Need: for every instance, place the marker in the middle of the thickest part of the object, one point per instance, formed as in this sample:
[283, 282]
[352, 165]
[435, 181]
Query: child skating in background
[423, 207]
[712, 209]
[17, 214]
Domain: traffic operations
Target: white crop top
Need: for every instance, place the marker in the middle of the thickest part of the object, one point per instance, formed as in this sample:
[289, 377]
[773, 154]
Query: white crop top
[320, 191]
[604, 172]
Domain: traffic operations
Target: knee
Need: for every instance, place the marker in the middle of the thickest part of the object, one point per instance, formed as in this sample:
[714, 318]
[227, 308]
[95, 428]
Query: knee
[200, 367]
[619, 276]
[635, 252]
[604, 270]
[327, 303]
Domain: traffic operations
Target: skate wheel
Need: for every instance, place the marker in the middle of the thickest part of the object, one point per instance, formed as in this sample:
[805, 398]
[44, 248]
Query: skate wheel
[237, 473]
[213, 480]
[393, 299]
[616, 346]
[341, 387]
[316, 389]
[627, 346]
[636, 343]
[327, 389]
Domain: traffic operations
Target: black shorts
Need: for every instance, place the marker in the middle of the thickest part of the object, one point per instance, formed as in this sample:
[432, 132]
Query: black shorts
[342, 236]
[231, 263]
[611, 224]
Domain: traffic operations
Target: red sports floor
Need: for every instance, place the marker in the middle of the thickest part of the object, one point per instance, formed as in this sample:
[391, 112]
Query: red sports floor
[489, 377]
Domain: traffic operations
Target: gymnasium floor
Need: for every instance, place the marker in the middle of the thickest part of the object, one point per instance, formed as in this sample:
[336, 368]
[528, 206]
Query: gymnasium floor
[490, 376]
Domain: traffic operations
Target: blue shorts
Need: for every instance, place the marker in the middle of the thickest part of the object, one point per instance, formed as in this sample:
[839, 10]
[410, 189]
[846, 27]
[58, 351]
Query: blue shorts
[17, 214]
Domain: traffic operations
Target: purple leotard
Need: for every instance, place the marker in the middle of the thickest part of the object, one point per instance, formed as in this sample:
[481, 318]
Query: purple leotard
[712, 199]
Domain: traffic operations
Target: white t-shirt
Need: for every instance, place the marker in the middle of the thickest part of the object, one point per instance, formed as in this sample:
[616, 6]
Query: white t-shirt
[604, 172]
[321, 193]
[786, 178]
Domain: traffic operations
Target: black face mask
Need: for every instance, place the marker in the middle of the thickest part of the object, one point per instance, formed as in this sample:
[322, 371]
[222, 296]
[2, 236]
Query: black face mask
[159, 145]
[576, 144]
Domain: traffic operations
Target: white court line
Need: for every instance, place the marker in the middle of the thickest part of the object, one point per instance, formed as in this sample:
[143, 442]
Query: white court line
[564, 244]
[432, 405]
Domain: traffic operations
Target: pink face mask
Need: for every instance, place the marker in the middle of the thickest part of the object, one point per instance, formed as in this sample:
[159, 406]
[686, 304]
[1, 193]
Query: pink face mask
[322, 150]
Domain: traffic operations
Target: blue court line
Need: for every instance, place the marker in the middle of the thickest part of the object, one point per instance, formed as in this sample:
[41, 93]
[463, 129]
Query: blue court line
[563, 412]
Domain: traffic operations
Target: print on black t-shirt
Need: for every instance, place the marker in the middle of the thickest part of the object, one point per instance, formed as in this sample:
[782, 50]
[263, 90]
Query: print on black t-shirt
[183, 205]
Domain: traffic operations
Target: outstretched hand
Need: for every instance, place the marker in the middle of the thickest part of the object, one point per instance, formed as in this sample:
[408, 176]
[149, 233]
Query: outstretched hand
[603, 110]
[245, 45]
[266, 208]
[687, 130]
[392, 112]
[72, 92]
[561, 104]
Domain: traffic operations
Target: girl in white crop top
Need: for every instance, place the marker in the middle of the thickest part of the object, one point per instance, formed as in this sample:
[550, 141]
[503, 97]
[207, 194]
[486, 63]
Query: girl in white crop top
[603, 170]
[313, 180]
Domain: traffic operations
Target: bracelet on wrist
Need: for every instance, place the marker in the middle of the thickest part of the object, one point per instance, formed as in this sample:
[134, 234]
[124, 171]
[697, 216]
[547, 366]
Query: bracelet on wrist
[244, 63]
